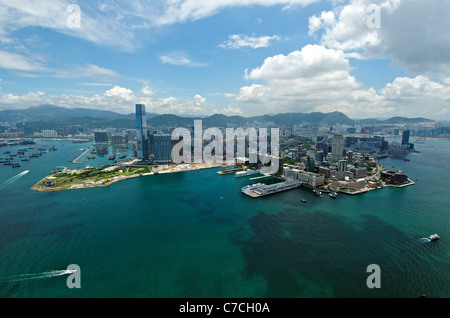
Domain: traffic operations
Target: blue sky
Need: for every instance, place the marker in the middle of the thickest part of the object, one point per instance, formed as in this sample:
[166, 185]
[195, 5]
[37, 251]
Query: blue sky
[248, 57]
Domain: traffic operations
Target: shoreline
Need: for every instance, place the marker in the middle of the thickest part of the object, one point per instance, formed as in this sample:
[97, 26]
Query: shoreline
[91, 183]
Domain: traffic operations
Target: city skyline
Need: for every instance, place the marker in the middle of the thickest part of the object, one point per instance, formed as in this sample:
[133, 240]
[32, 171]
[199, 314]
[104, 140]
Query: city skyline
[186, 58]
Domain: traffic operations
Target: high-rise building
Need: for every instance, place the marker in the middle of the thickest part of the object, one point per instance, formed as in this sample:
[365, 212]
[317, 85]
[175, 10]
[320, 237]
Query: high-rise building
[405, 137]
[310, 162]
[101, 137]
[162, 148]
[117, 140]
[141, 133]
[350, 157]
[337, 148]
[342, 165]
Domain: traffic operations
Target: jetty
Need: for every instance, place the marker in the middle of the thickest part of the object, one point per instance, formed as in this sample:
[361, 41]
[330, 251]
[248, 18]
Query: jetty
[274, 188]
[76, 160]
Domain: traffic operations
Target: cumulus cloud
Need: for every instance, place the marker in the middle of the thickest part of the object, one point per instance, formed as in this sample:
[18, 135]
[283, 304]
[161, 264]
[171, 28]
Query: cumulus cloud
[311, 75]
[118, 99]
[199, 100]
[317, 78]
[412, 33]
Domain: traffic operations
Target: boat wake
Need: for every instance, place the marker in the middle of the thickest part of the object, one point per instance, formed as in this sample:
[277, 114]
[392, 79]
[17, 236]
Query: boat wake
[44, 275]
[424, 240]
[13, 179]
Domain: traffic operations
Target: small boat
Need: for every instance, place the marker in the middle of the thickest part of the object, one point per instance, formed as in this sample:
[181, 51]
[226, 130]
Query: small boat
[16, 165]
[434, 237]
[317, 192]
[25, 159]
[303, 201]
[333, 194]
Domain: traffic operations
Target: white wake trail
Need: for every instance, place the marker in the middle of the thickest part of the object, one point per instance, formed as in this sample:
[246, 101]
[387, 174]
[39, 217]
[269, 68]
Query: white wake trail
[44, 275]
[15, 178]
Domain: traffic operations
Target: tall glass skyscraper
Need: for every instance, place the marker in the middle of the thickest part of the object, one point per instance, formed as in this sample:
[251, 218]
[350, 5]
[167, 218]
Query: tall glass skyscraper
[162, 148]
[141, 133]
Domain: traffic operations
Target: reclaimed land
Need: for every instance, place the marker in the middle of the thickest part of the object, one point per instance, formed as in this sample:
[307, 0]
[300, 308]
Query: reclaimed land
[104, 176]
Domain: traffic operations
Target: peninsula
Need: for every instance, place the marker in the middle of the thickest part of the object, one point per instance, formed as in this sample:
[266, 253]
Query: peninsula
[65, 179]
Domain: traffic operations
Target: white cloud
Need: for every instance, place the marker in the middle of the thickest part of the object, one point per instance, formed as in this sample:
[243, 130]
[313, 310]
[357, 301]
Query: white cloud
[199, 100]
[239, 41]
[147, 91]
[179, 59]
[180, 11]
[318, 79]
[14, 61]
[230, 111]
[413, 33]
[118, 99]
[308, 77]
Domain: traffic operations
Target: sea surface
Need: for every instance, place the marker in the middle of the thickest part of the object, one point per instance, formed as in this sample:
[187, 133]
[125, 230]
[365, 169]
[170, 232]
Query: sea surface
[194, 234]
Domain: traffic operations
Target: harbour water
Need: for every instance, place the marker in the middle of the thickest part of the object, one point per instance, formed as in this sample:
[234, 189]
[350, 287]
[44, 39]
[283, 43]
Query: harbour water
[194, 234]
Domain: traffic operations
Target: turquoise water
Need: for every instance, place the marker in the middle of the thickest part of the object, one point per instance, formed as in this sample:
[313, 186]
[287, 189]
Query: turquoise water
[193, 234]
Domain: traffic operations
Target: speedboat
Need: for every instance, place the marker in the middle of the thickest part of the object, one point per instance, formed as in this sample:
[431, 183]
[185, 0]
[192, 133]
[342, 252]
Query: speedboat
[434, 237]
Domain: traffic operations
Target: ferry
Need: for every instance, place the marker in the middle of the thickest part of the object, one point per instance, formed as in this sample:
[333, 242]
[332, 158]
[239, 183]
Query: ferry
[434, 237]
[249, 172]
[252, 187]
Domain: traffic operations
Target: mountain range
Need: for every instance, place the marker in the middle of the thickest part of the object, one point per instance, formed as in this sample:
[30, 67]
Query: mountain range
[50, 116]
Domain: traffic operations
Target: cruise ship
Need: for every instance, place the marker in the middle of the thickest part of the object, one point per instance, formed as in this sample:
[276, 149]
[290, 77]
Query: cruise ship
[249, 172]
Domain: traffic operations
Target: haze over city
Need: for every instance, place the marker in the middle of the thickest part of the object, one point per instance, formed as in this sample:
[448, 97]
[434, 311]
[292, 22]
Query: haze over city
[367, 59]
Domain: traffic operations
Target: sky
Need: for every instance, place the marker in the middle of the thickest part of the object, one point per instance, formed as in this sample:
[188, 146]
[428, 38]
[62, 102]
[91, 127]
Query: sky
[365, 58]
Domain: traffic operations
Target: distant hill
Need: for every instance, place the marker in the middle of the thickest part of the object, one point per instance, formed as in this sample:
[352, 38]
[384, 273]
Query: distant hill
[50, 112]
[51, 116]
[404, 120]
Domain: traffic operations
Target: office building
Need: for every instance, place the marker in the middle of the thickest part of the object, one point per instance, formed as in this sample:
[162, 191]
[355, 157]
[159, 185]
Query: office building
[101, 137]
[310, 162]
[350, 157]
[337, 148]
[162, 148]
[342, 165]
[405, 137]
[117, 140]
[141, 133]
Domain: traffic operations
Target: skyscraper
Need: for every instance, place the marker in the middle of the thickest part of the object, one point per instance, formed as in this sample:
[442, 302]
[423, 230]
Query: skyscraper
[337, 148]
[310, 162]
[162, 148]
[405, 137]
[141, 133]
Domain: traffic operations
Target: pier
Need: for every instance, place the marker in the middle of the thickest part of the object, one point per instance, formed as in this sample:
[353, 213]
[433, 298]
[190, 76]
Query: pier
[75, 161]
[274, 188]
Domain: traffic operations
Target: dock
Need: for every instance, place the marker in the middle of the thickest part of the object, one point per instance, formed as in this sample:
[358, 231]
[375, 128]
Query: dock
[274, 188]
[75, 161]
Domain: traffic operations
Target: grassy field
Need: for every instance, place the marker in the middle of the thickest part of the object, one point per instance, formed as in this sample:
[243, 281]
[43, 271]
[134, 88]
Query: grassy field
[92, 176]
